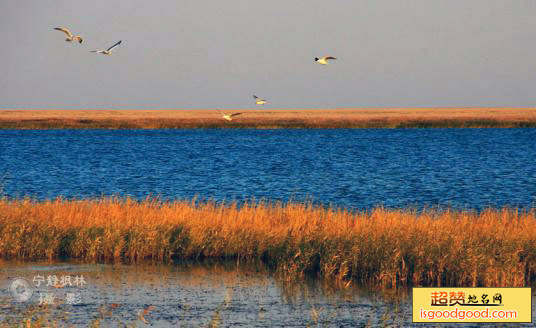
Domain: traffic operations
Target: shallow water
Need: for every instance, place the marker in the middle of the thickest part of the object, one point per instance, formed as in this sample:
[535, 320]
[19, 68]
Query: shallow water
[361, 168]
[191, 295]
[194, 295]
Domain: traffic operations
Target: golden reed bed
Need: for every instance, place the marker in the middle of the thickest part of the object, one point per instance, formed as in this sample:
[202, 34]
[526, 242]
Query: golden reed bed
[265, 119]
[387, 248]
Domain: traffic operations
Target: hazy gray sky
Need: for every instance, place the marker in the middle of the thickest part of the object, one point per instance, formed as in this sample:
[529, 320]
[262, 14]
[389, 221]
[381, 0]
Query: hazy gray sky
[216, 54]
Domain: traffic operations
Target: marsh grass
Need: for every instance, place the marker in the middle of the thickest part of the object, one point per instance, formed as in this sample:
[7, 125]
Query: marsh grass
[385, 248]
[271, 118]
[137, 124]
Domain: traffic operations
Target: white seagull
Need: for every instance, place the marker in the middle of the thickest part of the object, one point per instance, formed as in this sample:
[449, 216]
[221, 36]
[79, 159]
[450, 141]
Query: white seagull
[107, 51]
[324, 60]
[259, 101]
[70, 36]
[229, 117]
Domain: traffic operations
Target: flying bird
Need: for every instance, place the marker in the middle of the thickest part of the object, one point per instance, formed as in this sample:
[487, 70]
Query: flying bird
[324, 60]
[259, 101]
[70, 36]
[229, 117]
[107, 51]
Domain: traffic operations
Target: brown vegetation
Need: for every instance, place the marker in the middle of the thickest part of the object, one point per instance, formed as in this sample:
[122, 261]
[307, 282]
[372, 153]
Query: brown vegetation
[269, 119]
[496, 247]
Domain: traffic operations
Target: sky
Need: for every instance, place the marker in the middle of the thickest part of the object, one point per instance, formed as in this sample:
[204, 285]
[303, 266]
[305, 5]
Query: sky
[216, 54]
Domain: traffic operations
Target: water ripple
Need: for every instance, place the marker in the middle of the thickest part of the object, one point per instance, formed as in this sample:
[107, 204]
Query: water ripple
[362, 168]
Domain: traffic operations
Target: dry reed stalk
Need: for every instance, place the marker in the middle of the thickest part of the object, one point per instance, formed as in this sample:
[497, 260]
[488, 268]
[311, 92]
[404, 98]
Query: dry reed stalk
[496, 247]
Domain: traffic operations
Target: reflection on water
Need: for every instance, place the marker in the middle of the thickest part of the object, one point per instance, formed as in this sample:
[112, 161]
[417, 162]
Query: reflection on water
[191, 295]
[195, 295]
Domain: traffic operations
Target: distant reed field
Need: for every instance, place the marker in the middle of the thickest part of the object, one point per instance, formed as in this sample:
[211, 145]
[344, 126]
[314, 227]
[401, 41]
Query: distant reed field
[388, 248]
[270, 119]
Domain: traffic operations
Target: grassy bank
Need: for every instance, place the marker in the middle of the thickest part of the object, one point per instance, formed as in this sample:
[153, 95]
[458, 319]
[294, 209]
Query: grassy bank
[106, 124]
[383, 247]
[270, 119]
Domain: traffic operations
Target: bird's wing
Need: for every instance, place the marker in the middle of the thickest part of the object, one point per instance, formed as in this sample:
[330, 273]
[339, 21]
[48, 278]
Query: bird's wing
[64, 30]
[115, 45]
[235, 114]
[95, 50]
[329, 57]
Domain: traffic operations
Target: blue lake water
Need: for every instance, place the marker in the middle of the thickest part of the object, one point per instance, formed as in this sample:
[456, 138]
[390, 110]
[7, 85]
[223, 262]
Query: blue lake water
[358, 168]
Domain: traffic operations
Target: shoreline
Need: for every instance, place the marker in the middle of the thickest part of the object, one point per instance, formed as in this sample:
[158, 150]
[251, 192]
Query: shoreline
[270, 118]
